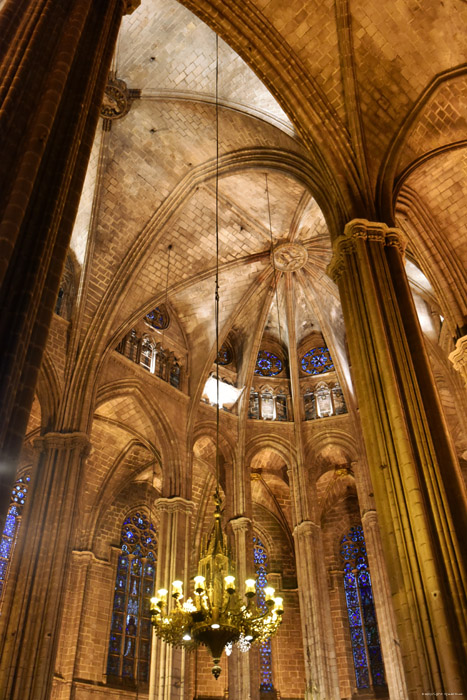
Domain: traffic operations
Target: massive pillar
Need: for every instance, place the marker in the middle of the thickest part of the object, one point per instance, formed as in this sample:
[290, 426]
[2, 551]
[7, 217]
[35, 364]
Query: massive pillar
[54, 62]
[30, 629]
[167, 677]
[419, 494]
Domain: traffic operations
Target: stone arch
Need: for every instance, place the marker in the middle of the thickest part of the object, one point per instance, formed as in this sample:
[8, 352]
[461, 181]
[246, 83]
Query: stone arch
[171, 460]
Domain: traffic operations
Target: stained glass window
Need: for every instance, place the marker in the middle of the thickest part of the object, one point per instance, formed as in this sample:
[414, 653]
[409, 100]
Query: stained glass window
[12, 523]
[130, 632]
[260, 557]
[317, 361]
[158, 317]
[366, 649]
[224, 356]
[268, 364]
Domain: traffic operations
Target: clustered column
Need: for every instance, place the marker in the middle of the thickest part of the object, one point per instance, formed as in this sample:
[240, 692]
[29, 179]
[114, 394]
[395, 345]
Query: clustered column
[420, 502]
[31, 628]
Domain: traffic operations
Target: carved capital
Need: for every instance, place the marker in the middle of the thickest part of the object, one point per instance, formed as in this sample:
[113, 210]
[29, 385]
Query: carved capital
[358, 230]
[458, 357]
[306, 527]
[240, 524]
[174, 505]
[63, 441]
[369, 516]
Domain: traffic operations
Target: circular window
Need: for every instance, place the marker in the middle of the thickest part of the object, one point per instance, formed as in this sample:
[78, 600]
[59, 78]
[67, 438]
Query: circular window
[268, 364]
[317, 361]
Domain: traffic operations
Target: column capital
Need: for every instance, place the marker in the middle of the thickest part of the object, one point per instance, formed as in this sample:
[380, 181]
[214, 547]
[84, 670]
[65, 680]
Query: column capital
[369, 516]
[63, 442]
[306, 527]
[176, 504]
[240, 524]
[458, 357]
[362, 229]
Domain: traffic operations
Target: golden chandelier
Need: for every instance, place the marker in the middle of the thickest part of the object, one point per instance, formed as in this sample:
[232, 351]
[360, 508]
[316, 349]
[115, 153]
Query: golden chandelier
[218, 617]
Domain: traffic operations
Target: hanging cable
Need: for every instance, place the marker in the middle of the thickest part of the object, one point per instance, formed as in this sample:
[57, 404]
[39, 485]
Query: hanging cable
[216, 297]
[273, 260]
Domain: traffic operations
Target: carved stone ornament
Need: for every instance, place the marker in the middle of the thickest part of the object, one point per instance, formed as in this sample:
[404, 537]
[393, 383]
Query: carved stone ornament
[116, 102]
[289, 257]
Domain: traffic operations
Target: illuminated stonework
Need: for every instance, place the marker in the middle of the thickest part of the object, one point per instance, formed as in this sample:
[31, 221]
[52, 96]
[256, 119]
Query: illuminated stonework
[289, 257]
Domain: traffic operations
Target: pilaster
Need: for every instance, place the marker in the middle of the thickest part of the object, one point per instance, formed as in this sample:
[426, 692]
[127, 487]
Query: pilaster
[419, 497]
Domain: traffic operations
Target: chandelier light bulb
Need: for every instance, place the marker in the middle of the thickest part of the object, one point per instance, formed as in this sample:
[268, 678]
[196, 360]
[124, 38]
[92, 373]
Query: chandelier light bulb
[229, 583]
[278, 606]
[177, 587]
[250, 587]
[215, 626]
[269, 593]
[162, 594]
[187, 637]
[199, 584]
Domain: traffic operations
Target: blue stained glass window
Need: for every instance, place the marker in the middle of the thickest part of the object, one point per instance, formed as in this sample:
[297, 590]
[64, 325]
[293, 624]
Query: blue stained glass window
[12, 523]
[158, 317]
[130, 632]
[224, 356]
[261, 567]
[317, 361]
[366, 649]
[268, 364]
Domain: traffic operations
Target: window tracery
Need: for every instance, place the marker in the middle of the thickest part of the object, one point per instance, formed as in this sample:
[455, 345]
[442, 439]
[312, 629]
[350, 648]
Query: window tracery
[260, 558]
[152, 356]
[268, 364]
[317, 361]
[366, 649]
[12, 525]
[158, 317]
[266, 405]
[324, 400]
[225, 355]
[130, 632]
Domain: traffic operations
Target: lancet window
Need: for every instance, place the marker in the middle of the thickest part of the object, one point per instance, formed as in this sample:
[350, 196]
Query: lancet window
[366, 649]
[145, 351]
[130, 632]
[260, 557]
[267, 406]
[12, 524]
[323, 400]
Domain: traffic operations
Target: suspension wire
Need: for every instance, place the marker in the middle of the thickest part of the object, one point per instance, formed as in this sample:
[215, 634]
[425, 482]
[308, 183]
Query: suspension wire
[216, 297]
[272, 256]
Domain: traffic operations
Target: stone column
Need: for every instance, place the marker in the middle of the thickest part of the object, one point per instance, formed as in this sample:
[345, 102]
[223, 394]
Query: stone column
[322, 681]
[167, 675]
[54, 62]
[30, 632]
[241, 684]
[315, 611]
[458, 357]
[419, 497]
[387, 627]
